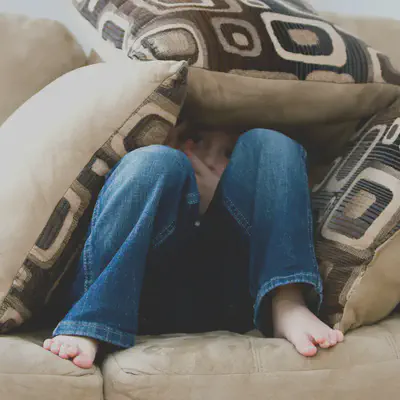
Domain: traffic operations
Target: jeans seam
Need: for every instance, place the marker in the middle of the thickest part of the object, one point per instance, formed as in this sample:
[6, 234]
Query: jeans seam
[164, 234]
[237, 215]
[95, 330]
[270, 285]
[192, 198]
[86, 264]
[87, 250]
[310, 225]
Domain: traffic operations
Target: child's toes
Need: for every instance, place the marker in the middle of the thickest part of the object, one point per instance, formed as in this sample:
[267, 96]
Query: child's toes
[333, 338]
[84, 361]
[321, 341]
[339, 336]
[72, 351]
[325, 344]
[47, 344]
[305, 346]
[55, 347]
[63, 353]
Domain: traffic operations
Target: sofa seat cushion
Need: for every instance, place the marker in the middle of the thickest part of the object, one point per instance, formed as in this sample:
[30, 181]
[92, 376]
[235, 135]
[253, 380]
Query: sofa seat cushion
[29, 372]
[225, 366]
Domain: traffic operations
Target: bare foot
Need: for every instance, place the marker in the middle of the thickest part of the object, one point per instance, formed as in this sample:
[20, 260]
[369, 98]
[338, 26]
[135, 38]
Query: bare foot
[293, 321]
[81, 350]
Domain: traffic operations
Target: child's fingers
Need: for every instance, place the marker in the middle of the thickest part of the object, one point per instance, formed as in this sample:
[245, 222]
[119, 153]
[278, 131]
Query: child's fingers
[199, 167]
[188, 146]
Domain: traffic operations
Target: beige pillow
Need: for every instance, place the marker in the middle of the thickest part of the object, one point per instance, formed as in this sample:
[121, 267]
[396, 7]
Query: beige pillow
[94, 58]
[34, 52]
[56, 150]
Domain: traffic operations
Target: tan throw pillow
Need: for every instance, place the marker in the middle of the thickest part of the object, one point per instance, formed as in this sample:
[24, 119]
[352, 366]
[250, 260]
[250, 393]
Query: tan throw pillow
[56, 150]
[34, 52]
[94, 58]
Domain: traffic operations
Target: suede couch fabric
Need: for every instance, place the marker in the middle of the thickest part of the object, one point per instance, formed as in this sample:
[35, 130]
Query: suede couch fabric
[224, 366]
[212, 366]
[34, 52]
[29, 372]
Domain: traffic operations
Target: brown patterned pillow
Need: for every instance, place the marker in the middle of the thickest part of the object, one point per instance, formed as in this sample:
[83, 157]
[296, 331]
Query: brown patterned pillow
[56, 150]
[358, 213]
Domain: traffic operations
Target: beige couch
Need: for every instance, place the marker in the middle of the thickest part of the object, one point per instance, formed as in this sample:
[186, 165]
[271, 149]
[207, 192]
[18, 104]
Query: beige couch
[217, 366]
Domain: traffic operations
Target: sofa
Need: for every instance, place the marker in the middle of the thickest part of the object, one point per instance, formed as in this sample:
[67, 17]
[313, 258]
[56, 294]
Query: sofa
[216, 365]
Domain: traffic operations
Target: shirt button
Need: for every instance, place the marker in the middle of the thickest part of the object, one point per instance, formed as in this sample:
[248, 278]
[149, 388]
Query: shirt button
[197, 223]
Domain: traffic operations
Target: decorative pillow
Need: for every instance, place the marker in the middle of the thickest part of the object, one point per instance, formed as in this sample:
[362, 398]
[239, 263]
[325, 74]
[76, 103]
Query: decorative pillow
[257, 63]
[34, 52]
[358, 213]
[56, 150]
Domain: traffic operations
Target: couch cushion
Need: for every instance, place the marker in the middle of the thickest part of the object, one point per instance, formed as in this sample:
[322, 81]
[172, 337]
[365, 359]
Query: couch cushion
[380, 33]
[224, 366]
[34, 52]
[56, 150]
[29, 372]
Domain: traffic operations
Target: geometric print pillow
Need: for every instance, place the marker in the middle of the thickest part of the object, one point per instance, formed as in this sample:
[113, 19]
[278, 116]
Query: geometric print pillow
[56, 150]
[358, 216]
[268, 39]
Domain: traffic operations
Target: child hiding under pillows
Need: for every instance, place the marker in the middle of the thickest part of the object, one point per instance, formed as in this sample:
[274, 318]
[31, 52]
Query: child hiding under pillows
[198, 238]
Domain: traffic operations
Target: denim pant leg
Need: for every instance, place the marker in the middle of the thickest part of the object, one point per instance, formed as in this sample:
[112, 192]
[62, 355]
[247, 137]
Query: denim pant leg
[265, 189]
[149, 198]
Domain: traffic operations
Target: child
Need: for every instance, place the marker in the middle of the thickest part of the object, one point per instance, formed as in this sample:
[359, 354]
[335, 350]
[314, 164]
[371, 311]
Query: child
[193, 240]
[209, 152]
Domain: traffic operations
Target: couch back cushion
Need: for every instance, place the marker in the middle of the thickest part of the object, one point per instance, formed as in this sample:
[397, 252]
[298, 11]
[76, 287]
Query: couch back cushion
[34, 52]
[380, 33]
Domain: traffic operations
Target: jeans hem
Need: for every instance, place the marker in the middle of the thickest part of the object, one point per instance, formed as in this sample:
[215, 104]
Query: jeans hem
[301, 277]
[96, 331]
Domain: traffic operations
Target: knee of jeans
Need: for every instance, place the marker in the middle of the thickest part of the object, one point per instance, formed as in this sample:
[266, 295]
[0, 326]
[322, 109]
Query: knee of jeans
[154, 160]
[271, 141]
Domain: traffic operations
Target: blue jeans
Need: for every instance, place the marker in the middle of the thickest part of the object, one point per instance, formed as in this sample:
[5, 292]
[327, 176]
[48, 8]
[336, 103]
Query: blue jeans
[152, 265]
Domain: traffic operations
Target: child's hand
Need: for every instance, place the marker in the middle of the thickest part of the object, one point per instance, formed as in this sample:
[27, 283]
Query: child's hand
[207, 181]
